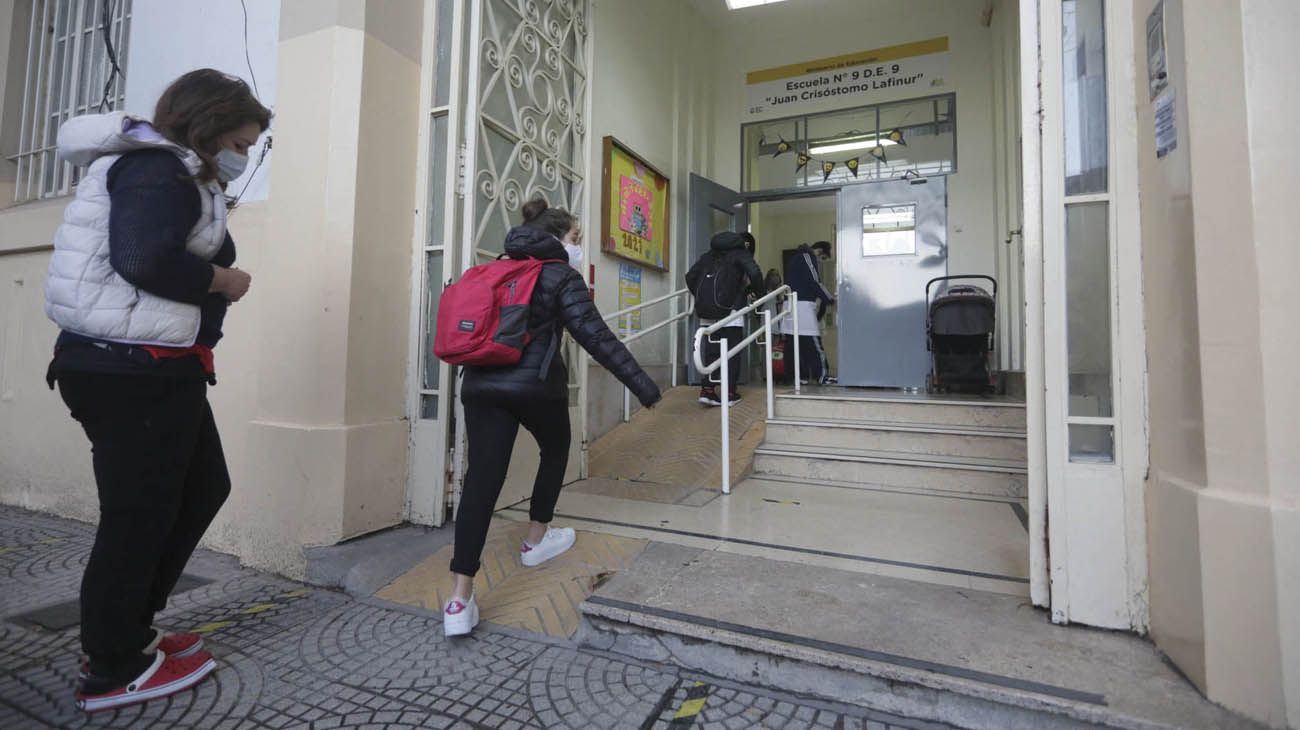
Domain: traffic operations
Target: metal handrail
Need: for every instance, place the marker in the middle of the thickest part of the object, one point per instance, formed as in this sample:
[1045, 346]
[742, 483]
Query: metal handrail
[627, 336]
[791, 311]
[643, 305]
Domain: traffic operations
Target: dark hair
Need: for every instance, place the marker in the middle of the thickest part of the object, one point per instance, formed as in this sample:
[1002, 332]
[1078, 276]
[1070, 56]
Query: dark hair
[201, 106]
[555, 221]
[751, 245]
[823, 245]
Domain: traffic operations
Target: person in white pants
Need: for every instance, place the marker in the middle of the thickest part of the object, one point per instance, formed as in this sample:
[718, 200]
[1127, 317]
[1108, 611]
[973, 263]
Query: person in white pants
[803, 275]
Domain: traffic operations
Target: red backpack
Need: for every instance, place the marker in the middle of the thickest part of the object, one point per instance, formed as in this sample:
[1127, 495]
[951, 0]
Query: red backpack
[483, 318]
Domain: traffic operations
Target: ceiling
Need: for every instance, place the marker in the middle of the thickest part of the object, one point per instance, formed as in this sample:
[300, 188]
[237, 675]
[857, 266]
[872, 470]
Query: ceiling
[717, 12]
[829, 11]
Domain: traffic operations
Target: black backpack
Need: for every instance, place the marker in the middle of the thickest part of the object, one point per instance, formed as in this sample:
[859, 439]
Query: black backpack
[716, 283]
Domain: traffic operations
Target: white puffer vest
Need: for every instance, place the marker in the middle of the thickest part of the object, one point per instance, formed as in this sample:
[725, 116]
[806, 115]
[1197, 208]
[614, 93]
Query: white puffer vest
[83, 293]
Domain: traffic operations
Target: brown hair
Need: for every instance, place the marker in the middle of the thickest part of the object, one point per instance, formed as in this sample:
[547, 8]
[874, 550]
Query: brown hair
[555, 221]
[201, 106]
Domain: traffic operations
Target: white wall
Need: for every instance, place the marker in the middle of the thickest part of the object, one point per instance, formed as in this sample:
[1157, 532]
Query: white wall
[647, 92]
[171, 37]
[786, 33]
[44, 462]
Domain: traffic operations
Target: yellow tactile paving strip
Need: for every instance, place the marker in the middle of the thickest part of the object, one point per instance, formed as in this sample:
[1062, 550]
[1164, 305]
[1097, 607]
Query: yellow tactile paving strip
[680, 442]
[543, 599]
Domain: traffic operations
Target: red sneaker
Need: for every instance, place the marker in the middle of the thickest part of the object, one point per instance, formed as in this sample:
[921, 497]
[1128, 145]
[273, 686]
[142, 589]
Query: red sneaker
[166, 676]
[180, 645]
[177, 645]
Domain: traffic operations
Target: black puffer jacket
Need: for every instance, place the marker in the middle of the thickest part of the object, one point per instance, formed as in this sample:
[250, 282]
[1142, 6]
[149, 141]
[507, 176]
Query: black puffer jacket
[730, 247]
[560, 299]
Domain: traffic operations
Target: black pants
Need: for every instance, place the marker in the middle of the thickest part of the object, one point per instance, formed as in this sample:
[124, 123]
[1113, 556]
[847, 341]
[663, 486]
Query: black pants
[812, 358]
[713, 350]
[161, 477]
[491, 427]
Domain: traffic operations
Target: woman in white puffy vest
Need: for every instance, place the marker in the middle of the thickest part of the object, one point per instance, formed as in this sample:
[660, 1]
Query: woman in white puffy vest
[139, 282]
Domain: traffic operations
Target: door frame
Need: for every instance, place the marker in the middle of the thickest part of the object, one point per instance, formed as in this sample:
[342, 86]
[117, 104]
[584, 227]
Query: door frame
[428, 450]
[1097, 563]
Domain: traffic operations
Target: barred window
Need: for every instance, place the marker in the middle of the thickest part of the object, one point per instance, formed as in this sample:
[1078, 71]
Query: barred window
[70, 72]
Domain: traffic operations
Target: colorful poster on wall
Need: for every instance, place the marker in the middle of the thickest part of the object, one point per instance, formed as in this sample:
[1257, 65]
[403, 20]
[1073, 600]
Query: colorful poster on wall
[629, 295]
[635, 221]
[853, 79]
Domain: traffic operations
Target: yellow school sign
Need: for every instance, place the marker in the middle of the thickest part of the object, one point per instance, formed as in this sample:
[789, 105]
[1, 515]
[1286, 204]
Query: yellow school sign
[853, 78]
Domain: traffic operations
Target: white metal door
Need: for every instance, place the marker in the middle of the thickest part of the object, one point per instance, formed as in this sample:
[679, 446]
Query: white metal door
[893, 239]
[430, 396]
[525, 137]
[1092, 328]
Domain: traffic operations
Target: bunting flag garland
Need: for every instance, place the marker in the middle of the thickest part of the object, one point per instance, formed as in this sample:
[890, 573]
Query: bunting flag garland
[803, 155]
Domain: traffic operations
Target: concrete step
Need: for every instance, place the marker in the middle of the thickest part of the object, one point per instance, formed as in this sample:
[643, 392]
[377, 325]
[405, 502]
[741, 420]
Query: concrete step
[931, 653]
[954, 474]
[848, 405]
[988, 441]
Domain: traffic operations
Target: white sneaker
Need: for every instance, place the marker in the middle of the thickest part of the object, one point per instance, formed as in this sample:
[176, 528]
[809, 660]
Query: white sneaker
[459, 618]
[556, 542]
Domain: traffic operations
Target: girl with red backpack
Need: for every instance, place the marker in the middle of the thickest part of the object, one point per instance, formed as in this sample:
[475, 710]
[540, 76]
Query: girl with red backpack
[534, 393]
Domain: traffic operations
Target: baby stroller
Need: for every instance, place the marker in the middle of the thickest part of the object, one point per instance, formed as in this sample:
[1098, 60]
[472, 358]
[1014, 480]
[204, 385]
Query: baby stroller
[959, 335]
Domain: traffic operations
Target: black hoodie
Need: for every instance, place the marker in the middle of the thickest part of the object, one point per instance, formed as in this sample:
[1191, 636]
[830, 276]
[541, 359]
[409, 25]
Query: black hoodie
[560, 299]
[730, 248]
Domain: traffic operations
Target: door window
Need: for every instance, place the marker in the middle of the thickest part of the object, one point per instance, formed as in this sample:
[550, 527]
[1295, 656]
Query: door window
[889, 230]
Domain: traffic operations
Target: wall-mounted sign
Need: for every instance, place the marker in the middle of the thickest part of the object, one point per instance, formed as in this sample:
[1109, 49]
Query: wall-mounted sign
[629, 295]
[1166, 124]
[1157, 59]
[854, 79]
[634, 209]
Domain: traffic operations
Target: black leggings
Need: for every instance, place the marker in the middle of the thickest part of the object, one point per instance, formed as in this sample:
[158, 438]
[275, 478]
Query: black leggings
[491, 427]
[812, 358]
[161, 477]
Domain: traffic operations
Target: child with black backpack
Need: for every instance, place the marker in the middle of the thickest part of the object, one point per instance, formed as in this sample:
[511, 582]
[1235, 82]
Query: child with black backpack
[719, 280]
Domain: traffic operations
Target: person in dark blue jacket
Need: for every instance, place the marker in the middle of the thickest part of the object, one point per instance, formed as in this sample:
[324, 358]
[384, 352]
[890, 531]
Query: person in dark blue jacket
[803, 276]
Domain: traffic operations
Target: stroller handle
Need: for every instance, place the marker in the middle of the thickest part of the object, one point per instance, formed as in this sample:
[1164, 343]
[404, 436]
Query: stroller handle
[937, 279]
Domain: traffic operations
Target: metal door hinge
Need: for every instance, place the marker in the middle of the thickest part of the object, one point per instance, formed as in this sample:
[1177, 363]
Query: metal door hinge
[462, 170]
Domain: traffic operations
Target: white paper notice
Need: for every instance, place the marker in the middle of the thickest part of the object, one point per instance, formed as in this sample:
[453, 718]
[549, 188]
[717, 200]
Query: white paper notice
[1166, 125]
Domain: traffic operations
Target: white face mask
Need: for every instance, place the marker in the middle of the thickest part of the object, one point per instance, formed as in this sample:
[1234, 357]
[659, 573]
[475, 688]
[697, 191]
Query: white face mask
[230, 164]
[575, 255]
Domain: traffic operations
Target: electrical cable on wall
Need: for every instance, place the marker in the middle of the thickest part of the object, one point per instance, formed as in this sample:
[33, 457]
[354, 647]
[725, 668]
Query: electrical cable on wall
[106, 16]
[233, 203]
[247, 58]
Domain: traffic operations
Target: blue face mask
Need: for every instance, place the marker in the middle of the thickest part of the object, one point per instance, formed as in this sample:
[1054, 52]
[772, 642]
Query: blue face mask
[230, 165]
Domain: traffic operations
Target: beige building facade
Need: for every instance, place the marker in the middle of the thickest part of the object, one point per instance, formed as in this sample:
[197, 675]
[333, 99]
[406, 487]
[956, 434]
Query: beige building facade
[399, 157]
